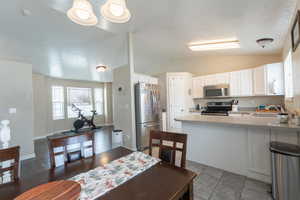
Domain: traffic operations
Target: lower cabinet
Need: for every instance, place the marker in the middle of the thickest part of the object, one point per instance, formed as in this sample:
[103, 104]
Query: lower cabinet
[259, 159]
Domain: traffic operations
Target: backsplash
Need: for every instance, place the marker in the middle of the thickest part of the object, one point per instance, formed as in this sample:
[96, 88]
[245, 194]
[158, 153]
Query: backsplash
[246, 102]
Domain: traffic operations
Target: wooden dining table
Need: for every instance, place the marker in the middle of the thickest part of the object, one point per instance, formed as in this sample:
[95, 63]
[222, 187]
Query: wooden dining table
[160, 182]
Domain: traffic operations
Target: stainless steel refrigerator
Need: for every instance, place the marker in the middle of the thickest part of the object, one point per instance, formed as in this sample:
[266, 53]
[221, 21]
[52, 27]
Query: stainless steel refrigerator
[147, 112]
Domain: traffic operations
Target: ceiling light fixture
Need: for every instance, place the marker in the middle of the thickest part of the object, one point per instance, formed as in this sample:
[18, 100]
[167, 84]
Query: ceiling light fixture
[101, 68]
[215, 45]
[264, 42]
[115, 11]
[82, 13]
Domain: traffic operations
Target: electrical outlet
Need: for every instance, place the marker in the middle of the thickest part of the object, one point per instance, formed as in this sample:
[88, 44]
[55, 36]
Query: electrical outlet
[12, 110]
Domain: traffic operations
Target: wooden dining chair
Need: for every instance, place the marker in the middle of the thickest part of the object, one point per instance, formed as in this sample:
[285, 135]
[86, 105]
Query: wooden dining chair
[169, 144]
[64, 142]
[13, 155]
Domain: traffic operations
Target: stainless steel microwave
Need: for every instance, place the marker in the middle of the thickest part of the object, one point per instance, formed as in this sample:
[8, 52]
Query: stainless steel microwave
[216, 91]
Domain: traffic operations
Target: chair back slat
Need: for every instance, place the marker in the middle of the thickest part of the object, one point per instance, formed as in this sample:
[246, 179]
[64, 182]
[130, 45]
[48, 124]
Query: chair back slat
[168, 146]
[10, 154]
[66, 141]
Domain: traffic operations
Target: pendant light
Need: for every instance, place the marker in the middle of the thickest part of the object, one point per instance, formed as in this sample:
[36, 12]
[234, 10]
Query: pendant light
[115, 11]
[82, 13]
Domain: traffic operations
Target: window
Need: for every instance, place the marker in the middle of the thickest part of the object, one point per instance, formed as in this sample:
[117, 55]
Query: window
[58, 102]
[99, 103]
[80, 97]
[288, 76]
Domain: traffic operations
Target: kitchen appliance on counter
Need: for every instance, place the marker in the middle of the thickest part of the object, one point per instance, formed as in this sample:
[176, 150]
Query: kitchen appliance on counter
[216, 91]
[147, 112]
[218, 108]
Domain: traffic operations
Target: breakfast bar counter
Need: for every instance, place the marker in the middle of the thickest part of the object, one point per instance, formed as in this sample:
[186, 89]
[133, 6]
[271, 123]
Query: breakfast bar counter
[270, 122]
[239, 144]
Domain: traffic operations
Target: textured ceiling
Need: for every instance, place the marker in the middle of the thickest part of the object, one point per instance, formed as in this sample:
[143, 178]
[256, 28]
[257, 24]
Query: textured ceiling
[162, 29]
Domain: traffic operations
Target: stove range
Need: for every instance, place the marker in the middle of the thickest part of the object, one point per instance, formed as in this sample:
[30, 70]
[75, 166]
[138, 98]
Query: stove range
[218, 108]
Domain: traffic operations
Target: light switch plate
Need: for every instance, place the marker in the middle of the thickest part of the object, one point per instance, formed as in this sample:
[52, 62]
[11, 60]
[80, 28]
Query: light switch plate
[12, 110]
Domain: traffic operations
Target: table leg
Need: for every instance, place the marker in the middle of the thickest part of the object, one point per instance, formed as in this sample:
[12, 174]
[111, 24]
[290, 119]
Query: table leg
[189, 195]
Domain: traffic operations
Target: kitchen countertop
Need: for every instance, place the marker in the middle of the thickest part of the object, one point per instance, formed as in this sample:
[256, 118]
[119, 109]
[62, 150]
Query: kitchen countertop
[266, 122]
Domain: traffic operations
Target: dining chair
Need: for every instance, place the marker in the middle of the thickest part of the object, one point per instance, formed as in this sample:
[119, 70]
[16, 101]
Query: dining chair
[9, 161]
[170, 145]
[62, 143]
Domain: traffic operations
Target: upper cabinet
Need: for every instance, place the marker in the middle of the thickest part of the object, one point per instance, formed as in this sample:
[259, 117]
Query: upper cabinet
[197, 90]
[241, 83]
[260, 81]
[268, 80]
[275, 79]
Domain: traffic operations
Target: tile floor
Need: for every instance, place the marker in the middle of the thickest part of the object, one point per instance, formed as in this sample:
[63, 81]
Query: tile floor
[215, 184]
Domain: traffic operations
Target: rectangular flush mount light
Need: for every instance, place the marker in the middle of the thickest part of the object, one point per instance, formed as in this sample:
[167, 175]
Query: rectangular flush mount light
[215, 45]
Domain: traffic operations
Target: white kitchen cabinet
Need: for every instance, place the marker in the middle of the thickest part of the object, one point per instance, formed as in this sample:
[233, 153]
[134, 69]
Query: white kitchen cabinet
[275, 79]
[268, 80]
[235, 80]
[241, 83]
[222, 78]
[259, 78]
[258, 153]
[198, 84]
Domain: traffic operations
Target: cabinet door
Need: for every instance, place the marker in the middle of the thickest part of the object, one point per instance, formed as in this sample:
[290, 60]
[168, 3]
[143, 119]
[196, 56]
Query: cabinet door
[234, 84]
[222, 78]
[259, 78]
[275, 79]
[246, 82]
[210, 80]
[258, 148]
[198, 84]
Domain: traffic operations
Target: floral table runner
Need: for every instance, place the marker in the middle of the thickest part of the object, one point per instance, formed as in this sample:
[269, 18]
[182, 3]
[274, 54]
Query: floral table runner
[100, 180]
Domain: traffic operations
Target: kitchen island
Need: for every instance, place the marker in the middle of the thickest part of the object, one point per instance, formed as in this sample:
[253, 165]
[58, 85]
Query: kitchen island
[238, 144]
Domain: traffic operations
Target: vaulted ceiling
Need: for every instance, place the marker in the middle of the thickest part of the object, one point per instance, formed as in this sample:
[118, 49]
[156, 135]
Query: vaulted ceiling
[161, 28]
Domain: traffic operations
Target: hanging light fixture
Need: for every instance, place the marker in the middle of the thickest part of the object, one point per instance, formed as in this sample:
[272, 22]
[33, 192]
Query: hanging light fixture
[101, 68]
[264, 42]
[115, 11]
[82, 13]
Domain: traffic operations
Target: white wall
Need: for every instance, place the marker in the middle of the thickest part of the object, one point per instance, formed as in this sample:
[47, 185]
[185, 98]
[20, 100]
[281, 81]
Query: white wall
[122, 107]
[16, 92]
[295, 104]
[203, 65]
[43, 122]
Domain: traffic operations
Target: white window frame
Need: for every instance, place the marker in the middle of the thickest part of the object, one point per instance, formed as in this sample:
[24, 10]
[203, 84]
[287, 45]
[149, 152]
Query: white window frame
[99, 102]
[58, 100]
[87, 113]
[288, 77]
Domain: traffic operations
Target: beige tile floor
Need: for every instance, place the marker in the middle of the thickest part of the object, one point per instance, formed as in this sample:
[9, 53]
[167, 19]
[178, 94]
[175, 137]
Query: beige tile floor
[216, 184]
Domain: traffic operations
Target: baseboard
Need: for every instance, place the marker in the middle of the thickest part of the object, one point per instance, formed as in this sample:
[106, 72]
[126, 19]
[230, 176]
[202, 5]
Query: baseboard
[44, 136]
[28, 156]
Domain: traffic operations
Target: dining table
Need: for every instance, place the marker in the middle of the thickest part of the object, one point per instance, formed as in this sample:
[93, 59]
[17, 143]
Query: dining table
[160, 182]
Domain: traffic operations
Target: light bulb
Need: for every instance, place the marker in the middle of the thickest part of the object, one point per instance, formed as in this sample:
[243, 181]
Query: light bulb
[82, 13]
[116, 9]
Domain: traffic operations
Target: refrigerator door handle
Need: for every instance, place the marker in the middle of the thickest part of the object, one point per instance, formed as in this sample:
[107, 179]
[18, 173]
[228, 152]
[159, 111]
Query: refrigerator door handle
[148, 126]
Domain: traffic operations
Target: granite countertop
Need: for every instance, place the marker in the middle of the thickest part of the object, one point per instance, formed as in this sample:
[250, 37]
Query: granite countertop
[266, 122]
